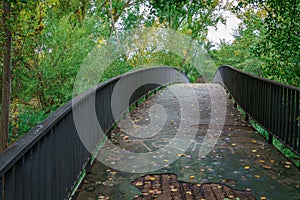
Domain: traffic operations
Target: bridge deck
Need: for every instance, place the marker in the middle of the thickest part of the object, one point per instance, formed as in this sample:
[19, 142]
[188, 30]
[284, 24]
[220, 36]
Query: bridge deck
[179, 155]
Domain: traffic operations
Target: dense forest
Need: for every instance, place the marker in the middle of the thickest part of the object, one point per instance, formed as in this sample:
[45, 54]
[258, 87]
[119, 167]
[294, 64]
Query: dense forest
[43, 44]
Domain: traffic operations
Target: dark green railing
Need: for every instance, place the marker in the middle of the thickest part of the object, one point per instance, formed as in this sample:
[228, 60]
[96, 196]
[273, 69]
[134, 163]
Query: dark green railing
[274, 106]
[45, 164]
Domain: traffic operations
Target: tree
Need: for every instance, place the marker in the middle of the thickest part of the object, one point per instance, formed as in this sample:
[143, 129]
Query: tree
[279, 45]
[6, 75]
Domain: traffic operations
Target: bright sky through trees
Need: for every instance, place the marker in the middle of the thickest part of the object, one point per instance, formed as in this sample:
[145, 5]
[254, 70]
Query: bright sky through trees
[224, 32]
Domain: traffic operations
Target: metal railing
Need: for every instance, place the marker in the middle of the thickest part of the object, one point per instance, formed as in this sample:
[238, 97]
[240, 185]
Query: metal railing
[46, 162]
[274, 106]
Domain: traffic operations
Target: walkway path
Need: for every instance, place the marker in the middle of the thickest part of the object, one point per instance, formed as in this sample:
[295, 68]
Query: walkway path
[204, 143]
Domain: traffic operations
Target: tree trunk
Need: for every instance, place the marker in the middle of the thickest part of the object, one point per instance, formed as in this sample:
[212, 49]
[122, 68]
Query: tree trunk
[6, 76]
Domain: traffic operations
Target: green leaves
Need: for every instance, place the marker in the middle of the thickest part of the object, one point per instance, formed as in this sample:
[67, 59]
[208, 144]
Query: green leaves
[267, 42]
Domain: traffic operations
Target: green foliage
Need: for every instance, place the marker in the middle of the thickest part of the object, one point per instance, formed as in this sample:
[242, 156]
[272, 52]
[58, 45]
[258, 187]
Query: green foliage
[23, 118]
[267, 43]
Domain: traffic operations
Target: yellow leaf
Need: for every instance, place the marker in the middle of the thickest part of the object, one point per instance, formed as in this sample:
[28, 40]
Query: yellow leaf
[247, 167]
[257, 176]
[192, 177]
[173, 190]
[263, 198]
[189, 193]
[254, 151]
[151, 178]
[261, 161]
[151, 191]
[254, 141]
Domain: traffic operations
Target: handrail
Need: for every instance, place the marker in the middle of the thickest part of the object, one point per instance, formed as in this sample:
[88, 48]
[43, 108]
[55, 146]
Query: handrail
[46, 162]
[274, 106]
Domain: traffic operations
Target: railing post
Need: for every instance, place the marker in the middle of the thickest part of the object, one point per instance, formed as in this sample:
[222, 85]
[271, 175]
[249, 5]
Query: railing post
[235, 104]
[270, 138]
[246, 117]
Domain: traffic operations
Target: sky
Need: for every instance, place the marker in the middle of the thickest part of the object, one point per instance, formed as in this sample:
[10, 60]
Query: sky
[224, 31]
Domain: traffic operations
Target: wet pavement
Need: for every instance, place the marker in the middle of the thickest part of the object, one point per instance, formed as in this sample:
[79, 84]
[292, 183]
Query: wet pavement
[192, 132]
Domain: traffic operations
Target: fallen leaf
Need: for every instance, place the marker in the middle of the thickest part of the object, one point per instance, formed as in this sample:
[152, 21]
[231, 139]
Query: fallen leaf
[219, 186]
[263, 198]
[139, 183]
[272, 161]
[287, 166]
[151, 191]
[254, 151]
[254, 141]
[192, 177]
[247, 167]
[267, 167]
[288, 163]
[173, 190]
[202, 170]
[257, 176]
[233, 144]
[145, 193]
[189, 193]
[151, 178]
[126, 137]
[261, 161]
[166, 160]
[181, 155]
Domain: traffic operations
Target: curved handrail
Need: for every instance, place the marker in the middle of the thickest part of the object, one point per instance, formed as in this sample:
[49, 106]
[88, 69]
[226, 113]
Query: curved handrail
[46, 162]
[274, 106]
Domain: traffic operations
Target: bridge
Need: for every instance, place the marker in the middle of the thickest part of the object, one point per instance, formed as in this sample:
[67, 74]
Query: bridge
[150, 134]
